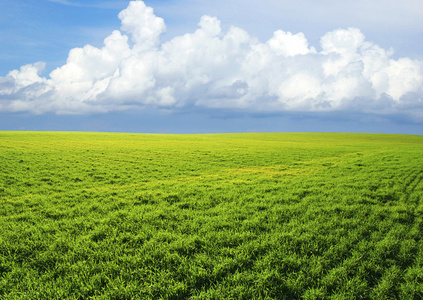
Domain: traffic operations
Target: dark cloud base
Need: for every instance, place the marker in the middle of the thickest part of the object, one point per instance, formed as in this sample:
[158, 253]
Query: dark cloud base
[153, 121]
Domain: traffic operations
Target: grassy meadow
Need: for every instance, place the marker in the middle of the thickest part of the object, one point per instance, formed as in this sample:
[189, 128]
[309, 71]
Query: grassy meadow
[214, 216]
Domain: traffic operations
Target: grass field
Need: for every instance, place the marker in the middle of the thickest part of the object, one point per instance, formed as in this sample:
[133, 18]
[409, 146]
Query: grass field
[225, 216]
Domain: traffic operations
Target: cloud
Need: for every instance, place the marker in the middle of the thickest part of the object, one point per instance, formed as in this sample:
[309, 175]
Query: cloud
[213, 69]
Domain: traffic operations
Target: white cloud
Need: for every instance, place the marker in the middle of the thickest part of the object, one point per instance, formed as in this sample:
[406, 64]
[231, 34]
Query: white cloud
[144, 27]
[211, 68]
[27, 75]
[287, 44]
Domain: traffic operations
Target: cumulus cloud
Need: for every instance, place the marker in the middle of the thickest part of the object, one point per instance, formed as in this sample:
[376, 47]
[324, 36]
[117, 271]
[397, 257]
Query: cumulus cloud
[209, 68]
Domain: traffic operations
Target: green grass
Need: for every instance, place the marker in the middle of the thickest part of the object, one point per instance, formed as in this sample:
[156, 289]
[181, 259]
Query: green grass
[225, 216]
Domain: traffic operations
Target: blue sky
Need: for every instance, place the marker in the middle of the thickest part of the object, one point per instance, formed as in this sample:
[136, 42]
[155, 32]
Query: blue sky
[202, 66]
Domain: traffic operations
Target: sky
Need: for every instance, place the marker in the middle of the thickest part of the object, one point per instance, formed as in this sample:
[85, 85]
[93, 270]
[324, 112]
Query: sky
[196, 66]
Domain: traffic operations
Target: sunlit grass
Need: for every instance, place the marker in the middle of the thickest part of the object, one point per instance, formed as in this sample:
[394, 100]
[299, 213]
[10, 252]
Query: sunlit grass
[227, 216]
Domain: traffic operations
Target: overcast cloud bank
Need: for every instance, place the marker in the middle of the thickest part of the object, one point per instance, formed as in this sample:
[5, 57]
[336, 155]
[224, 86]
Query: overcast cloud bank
[213, 69]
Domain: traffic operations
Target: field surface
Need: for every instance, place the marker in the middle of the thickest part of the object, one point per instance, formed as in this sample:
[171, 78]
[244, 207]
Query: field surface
[225, 216]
